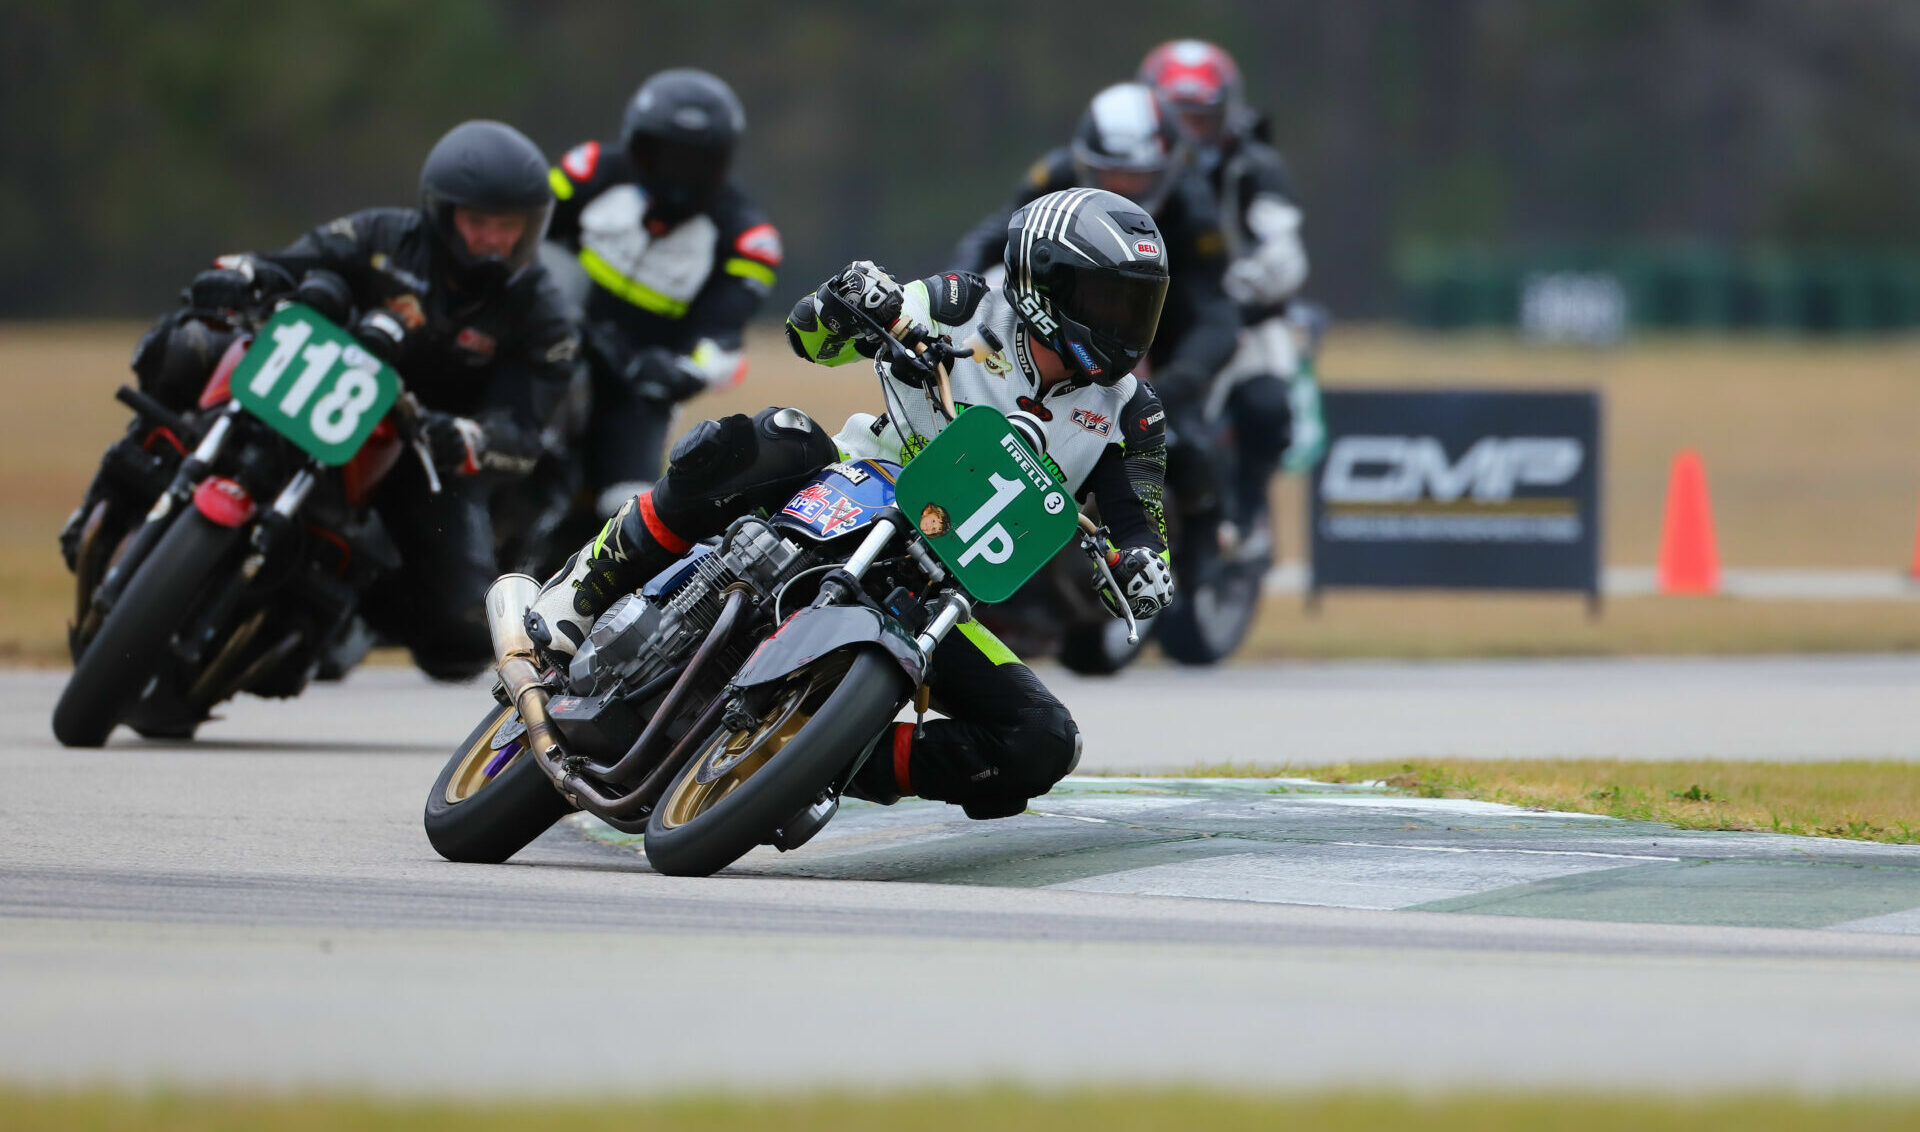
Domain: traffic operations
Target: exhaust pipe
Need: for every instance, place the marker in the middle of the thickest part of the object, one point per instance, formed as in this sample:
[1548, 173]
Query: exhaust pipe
[507, 602]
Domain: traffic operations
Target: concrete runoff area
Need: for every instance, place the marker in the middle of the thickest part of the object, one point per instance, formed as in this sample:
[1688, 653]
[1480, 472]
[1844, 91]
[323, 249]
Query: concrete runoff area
[262, 908]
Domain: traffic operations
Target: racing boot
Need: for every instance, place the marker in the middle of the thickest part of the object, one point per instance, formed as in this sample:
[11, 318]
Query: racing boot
[884, 778]
[633, 547]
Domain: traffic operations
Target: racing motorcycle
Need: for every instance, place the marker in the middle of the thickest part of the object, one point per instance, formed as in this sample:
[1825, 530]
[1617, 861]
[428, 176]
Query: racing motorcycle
[253, 556]
[730, 702]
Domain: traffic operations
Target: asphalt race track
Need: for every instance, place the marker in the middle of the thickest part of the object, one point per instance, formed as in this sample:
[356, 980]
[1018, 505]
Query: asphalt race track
[261, 907]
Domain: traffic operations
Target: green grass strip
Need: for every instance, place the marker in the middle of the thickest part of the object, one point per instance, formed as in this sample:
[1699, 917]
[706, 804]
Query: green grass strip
[1002, 1109]
[1864, 801]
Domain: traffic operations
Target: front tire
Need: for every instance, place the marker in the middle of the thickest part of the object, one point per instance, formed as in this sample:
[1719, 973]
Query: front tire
[739, 787]
[482, 813]
[131, 646]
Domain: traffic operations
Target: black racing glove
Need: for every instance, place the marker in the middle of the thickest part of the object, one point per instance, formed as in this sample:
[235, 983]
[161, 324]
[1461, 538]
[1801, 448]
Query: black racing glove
[1144, 579]
[458, 444]
[221, 289]
[328, 293]
[866, 287]
[241, 282]
[658, 374]
[381, 333]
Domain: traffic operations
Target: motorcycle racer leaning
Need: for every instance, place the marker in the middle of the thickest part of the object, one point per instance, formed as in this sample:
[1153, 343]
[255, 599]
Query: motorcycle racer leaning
[1269, 390]
[679, 259]
[1086, 277]
[450, 295]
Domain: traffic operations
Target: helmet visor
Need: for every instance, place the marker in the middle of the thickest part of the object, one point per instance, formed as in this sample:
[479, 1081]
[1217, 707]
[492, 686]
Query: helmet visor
[1114, 304]
[1204, 124]
[685, 173]
[1144, 182]
[480, 234]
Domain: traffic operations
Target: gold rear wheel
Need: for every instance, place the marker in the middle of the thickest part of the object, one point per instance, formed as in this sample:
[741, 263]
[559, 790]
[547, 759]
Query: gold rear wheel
[491, 751]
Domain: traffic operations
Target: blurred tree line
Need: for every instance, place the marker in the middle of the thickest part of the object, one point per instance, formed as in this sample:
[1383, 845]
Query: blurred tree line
[139, 139]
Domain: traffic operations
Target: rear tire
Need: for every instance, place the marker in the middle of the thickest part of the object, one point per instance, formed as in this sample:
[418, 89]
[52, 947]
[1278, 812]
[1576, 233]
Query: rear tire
[481, 819]
[131, 646]
[1206, 625]
[805, 764]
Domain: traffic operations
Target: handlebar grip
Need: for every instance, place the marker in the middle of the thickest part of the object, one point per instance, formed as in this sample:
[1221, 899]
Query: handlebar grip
[153, 410]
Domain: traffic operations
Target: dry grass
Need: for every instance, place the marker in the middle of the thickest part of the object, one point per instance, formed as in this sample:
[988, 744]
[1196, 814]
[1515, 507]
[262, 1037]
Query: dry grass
[1010, 1110]
[1866, 801]
[1427, 625]
[1809, 450]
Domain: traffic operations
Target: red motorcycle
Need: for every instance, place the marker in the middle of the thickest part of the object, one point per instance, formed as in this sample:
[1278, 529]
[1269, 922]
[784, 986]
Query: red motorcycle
[260, 540]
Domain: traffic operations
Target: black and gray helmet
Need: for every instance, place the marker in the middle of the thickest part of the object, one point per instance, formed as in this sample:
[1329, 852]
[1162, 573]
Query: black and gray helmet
[1087, 273]
[488, 167]
[1128, 142]
[680, 130]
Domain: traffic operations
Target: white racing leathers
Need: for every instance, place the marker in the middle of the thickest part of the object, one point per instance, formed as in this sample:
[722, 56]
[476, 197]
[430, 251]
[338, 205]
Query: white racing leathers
[1081, 421]
[1268, 265]
[1108, 441]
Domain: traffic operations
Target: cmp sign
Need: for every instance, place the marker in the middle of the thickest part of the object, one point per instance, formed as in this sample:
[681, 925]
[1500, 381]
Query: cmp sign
[1473, 489]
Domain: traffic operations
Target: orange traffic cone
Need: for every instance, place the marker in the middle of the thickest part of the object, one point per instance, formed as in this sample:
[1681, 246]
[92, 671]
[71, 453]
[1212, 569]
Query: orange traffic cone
[1913, 571]
[1689, 558]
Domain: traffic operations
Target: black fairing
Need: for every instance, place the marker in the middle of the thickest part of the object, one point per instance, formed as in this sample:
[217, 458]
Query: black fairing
[813, 633]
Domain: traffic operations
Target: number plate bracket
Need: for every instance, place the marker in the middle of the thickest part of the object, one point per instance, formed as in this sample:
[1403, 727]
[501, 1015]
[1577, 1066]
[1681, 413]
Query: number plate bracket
[993, 512]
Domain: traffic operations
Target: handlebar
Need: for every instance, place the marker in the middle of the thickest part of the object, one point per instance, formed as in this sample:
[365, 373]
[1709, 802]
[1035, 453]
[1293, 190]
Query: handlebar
[406, 410]
[1093, 541]
[932, 358]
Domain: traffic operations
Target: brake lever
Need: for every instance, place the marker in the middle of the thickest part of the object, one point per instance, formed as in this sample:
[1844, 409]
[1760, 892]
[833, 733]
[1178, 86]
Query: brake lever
[407, 408]
[1093, 539]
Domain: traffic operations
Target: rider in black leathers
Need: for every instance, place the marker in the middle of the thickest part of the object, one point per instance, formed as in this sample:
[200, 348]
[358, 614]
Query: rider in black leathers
[448, 293]
[679, 258]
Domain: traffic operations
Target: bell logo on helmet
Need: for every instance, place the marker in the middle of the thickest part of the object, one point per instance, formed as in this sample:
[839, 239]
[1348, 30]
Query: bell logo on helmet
[1086, 359]
[1147, 247]
[1036, 314]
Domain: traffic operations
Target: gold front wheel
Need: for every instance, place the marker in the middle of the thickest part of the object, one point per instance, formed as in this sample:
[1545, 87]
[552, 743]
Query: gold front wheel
[731, 757]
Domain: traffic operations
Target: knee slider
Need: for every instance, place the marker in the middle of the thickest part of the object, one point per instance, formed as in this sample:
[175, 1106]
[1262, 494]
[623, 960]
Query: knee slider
[1048, 743]
[175, 358]
[710, 448]
[793, 431]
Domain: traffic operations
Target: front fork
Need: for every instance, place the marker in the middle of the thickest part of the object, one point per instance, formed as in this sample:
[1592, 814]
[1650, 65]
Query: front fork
[845, 582]
[178, 495]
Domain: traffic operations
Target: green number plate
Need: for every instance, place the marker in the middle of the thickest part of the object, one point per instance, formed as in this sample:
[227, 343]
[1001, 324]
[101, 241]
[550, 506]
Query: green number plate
[1000, 512]
[314, 384]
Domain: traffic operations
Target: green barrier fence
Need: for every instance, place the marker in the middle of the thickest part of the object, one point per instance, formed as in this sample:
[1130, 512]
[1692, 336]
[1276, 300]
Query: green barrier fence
[1664, 287]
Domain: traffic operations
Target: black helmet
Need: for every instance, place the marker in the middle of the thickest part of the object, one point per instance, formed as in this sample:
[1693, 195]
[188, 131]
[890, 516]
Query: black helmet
[489, 167]
[679, 130]
[1087, 272]
[1128, 142]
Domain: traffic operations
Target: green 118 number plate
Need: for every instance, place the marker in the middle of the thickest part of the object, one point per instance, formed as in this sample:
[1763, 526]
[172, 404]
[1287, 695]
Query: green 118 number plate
[999, 513]
[314, 384]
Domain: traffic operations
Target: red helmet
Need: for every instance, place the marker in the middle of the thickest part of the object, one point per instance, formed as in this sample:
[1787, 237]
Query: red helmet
[1201, 83]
